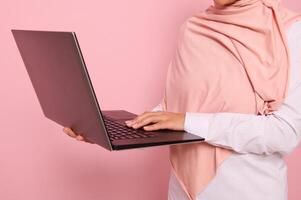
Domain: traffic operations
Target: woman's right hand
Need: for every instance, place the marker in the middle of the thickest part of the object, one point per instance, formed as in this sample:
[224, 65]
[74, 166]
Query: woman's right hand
[75, 135]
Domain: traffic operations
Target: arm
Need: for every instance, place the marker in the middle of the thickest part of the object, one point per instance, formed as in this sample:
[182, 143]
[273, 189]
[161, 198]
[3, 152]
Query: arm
[246, 133]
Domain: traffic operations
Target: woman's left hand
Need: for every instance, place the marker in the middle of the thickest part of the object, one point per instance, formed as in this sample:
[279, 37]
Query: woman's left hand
[151, 121]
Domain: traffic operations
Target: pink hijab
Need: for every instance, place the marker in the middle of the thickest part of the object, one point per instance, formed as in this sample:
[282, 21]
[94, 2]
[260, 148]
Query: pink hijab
[231, 58]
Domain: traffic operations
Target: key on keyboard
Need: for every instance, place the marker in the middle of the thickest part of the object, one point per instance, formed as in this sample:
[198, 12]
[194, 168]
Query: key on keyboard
[119, 131]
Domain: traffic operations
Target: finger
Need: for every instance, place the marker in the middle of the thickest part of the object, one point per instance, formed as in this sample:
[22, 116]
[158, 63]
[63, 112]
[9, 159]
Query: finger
[148, 120]
[161, 115]
[156, 126]
[80, 138]
[143, 116]
[131, 122]
[66, 130]
[89, 141]
[69, 132]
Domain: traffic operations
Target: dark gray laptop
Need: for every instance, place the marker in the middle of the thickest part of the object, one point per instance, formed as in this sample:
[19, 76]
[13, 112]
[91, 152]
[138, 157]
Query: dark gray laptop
[56, 68]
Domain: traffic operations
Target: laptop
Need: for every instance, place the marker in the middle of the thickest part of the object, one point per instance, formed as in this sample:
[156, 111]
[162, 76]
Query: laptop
[60, 79]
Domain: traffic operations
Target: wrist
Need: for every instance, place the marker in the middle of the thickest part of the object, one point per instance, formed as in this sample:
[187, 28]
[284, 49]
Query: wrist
[197, 123]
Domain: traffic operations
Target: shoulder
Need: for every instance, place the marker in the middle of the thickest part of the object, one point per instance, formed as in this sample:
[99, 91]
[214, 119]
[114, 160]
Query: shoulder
[188, 25]
[183, 33]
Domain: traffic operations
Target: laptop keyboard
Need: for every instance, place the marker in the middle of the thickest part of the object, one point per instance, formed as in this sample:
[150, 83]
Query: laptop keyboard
[119, 131]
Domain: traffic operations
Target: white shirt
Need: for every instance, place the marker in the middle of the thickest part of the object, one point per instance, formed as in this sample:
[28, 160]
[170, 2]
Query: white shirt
[256, 171]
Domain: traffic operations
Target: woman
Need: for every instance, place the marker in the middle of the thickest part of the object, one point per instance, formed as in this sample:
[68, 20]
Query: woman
[226, 84]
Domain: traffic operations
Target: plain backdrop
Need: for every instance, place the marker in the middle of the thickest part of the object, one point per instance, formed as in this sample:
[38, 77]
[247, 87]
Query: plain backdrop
[127, 46]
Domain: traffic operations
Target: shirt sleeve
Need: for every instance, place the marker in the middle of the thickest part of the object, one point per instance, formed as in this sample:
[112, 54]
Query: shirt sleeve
[278, 132]
[245, 133]
[158, 107]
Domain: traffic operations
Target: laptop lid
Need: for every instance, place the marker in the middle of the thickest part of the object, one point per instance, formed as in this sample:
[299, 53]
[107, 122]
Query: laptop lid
[55, 57]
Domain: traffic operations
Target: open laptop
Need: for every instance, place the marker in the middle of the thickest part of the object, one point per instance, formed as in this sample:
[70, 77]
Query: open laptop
[57, 70]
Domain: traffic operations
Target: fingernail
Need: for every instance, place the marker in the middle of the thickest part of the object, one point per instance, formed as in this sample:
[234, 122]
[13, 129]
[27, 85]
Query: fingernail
[79, 137]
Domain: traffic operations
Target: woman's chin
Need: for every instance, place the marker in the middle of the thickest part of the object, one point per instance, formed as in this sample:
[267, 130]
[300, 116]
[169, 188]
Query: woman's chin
[223, 2]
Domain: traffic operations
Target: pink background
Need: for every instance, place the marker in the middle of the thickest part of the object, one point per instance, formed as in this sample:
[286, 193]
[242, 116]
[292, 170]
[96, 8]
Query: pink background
[135, 38]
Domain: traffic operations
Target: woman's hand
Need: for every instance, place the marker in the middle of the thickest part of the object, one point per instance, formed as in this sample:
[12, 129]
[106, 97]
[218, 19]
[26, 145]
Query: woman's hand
[158, 120]
[150, 121]
[75, 135]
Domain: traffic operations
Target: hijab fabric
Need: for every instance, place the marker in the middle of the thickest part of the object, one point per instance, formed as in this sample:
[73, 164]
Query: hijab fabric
[232, 58]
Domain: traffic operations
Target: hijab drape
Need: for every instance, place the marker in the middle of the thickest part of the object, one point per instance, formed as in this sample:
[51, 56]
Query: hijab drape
[232, 58]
